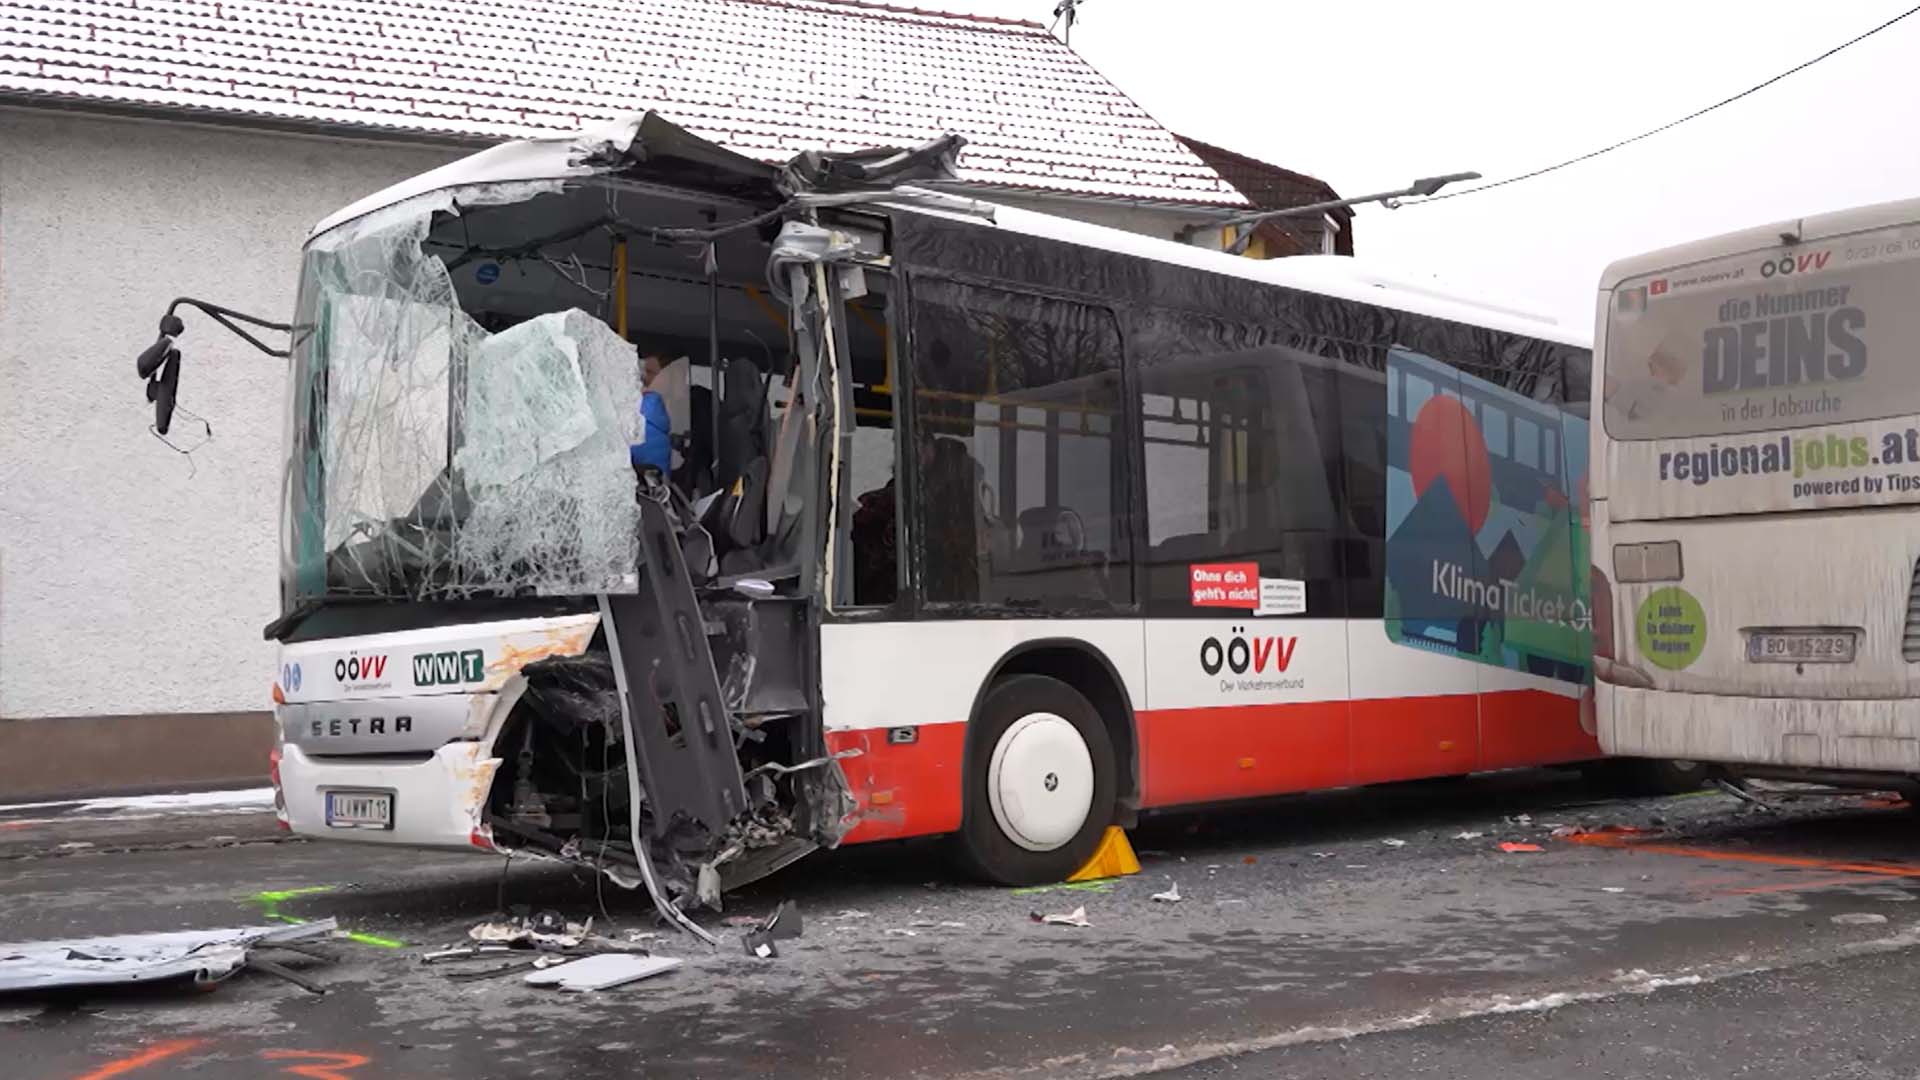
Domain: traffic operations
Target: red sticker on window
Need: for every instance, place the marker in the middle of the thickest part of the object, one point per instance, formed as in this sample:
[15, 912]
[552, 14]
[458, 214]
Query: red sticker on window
[1225, 585]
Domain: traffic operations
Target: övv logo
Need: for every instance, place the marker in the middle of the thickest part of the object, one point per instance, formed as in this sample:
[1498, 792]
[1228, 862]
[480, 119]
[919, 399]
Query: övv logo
[354, 668]
[1241, 654]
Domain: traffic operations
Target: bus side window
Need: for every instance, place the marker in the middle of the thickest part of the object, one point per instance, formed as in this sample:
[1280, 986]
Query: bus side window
[1022, 487]
[876, 567]
[1241, 446]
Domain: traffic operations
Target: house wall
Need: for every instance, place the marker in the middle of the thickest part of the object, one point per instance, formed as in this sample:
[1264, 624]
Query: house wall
[134, 581]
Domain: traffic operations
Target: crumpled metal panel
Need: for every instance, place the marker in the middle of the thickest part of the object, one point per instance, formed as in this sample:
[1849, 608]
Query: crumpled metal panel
[205, 955]
[766, 80]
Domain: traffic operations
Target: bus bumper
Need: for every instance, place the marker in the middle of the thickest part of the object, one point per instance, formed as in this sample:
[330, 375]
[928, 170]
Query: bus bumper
[1877, 735]
[437, 802]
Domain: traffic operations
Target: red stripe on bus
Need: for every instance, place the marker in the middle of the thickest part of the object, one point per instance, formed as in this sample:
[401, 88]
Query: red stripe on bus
[903, 789]
[1238, 751]
[1413, 738]
[1532, 727]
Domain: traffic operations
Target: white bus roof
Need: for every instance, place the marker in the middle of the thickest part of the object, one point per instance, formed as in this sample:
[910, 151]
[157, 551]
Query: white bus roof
[1763, 237]
[555, 158]
[1328, 275]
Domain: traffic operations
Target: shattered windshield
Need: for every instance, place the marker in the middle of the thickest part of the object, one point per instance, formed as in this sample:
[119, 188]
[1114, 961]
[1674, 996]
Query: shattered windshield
[432, 459]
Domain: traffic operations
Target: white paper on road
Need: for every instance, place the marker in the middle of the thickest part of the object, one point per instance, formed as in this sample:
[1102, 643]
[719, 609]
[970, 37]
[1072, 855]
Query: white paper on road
[206, 955]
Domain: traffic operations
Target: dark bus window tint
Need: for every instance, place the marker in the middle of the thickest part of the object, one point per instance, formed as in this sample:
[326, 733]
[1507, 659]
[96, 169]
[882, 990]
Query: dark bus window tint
[1022, 485]
[1241, 445]
[875, 569]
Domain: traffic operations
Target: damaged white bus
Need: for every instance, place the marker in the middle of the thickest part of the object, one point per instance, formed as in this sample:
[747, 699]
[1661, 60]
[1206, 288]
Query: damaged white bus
[991, 525]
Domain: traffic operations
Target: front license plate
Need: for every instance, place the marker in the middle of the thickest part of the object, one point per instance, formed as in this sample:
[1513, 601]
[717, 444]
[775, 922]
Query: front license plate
[1800, 647]
[360, 809]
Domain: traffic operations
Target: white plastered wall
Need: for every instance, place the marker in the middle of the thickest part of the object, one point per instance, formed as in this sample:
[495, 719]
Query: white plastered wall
[130, 581]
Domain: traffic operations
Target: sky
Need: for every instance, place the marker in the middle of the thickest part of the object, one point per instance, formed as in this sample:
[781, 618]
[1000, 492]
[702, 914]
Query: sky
[1370, 94]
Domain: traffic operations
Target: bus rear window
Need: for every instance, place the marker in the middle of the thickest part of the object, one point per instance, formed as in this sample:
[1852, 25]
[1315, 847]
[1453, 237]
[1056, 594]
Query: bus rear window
[1812, 333]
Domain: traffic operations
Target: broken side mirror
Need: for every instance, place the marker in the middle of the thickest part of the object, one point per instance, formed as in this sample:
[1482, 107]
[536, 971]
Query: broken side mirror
[159, 365]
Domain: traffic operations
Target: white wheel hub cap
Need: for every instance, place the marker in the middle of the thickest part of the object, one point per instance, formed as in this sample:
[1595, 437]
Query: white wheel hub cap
[1040, 782]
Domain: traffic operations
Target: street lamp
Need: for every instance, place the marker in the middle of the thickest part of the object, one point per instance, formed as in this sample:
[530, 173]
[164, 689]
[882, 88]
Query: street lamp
[1389, 199]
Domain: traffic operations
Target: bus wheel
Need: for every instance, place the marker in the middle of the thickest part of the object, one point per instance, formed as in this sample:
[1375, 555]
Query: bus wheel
[1039, 785]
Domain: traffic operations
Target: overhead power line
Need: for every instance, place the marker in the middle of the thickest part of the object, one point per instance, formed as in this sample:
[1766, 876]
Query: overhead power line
[1756, 88]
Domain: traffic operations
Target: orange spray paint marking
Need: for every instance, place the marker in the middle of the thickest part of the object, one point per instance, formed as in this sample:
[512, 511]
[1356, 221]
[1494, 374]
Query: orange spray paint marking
[323, 1065]
[1791, 886]
[1617, 841]
[155, 1053]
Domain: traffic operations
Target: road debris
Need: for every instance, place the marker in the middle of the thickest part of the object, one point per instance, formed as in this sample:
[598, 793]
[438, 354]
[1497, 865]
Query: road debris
[896, 931]
[1858, 918]
[782, 925]
[1512, 848]
[1612, 889]
[204, 957]
[1465, 835]
[544, 930]
[1171, 896]
[1738, 790]
[1323, 854]
[1076, 917]
[853, 913]
[1391, 842]
[603, 972]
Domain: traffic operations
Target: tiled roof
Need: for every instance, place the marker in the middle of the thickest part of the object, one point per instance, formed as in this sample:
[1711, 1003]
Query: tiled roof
[1271, 187]
[768, 78]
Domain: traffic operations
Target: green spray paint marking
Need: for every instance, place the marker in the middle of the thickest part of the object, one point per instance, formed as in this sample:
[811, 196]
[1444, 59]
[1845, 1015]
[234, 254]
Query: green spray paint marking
[270, 907]
[1102, 885]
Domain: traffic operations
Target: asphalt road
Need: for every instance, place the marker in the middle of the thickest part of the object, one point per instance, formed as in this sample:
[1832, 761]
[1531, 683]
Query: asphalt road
[1304, 945]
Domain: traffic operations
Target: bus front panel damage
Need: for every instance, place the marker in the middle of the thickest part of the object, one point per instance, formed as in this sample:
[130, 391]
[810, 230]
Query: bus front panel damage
[463, 415]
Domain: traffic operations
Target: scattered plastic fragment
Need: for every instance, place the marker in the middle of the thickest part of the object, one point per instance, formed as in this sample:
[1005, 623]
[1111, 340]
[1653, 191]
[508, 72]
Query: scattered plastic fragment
[760, 943]
[1859, 918]
[602, 972]
[1171, 896]
[1464, 835]
[1249, 860]
[1076, 917]
[1612, 889]
[203, 956]
[895, 931]
[1565, 830]
[1521, 819]
[1323, 854]
[953, 926]
[1512, 848]
[1391, 842]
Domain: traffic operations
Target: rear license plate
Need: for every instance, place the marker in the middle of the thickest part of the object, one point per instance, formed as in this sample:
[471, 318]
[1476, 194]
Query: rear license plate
[360, 809]
[1800, 647]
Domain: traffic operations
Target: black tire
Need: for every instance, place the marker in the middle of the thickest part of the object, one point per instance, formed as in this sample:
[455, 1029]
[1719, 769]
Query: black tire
[985, 850]
[1648, 776]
